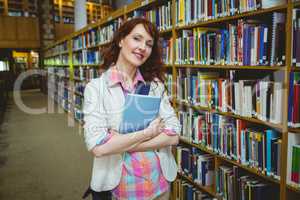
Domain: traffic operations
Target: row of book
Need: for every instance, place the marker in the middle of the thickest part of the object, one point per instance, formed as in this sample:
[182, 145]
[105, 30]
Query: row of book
[86, 73]
[294, 100]
[57, 60]
[183, 190]
[249, 43]
[249, 98]
[233, 139]
[96, 36]
[79, 87]
[60, 48]
[195, 164]
[61, 92]
[58, 71]
[160, 16]
[87, 57]
[78, 101]
[296, 37]
[193, 11]
[80, 73]
[68, 20]
[64, 103]
[233, 185]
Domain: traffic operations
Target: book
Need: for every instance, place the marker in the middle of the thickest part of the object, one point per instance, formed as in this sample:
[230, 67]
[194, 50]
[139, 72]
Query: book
[295, 164]
[293, 142]
[272, 3]
[270, 135]
[139, 111]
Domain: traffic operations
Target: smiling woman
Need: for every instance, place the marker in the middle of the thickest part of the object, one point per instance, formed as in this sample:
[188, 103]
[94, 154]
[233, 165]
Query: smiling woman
[137, 165]
[143, 31]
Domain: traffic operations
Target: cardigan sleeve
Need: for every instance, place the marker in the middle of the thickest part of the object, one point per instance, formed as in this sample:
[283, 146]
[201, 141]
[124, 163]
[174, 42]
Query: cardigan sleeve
[96, 130]
[167, 113]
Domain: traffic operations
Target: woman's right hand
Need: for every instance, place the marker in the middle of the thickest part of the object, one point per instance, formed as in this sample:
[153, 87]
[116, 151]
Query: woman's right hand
[155, 127]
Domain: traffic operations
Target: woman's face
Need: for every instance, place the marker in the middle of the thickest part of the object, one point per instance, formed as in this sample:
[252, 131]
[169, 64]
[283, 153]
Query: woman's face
[136, 47]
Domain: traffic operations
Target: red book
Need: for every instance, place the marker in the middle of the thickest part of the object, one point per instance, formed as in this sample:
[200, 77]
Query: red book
[200, 131]
[240, 41]
[209, 8]
[208, 124]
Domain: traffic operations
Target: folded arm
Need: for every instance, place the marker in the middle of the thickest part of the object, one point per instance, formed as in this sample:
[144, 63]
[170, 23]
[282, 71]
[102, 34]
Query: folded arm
[119, 143]
[160, 141]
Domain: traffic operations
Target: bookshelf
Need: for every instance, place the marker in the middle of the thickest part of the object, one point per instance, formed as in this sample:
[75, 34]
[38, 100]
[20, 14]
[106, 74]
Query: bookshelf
[64, 11]
[2, 7]
[74, 60]
[18, 8]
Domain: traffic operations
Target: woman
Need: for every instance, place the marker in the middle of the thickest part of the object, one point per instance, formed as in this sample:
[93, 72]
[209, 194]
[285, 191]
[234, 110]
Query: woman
[138, 165]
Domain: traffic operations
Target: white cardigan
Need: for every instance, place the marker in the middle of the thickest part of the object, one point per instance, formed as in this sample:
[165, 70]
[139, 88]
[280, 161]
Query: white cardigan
[103, 104]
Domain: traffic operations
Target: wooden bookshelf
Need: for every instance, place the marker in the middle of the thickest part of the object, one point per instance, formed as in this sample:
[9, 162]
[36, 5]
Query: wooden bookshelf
[296, 4]
[173, 33]
[293, 188]
[235, 17]
[2, 7]
[230, 67]
[233, 162]
[64, 15]
[18, 8]
[294, 130]
[206, 189]
[278, 127]
[295, 69]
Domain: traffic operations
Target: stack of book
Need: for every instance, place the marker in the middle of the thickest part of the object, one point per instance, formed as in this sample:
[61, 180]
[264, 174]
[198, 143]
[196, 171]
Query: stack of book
[260, 99]
[249, 43]
[183, 190]
[231, 138]
[161, 16]
[193, 11]
[233, 186]
[196, 164]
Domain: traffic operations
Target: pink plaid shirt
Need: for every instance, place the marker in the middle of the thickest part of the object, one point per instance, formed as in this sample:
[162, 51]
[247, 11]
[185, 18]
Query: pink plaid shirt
[142, 178]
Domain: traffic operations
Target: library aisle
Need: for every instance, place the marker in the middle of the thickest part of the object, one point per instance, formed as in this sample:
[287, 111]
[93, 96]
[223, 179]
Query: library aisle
[40, 156]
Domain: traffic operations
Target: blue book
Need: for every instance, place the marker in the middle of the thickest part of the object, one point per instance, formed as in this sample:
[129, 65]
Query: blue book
[139, 111]
[270, 135]
[290, 99]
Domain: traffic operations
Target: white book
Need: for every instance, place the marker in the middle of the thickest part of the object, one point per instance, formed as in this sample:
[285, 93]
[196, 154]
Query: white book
[277, 103]
[237, 98]
[272, 3]
[248, 101]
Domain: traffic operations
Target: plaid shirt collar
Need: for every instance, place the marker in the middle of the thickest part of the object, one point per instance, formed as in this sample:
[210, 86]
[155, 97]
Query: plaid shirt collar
[115, 77]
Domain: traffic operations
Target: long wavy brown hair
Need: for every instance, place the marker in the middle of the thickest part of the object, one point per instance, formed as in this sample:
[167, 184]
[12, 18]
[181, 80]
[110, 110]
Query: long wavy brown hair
[152, 68]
